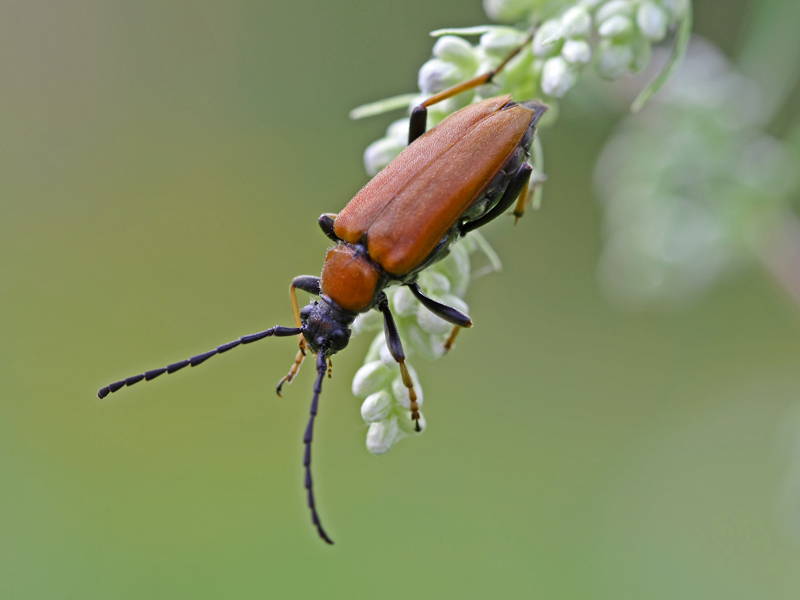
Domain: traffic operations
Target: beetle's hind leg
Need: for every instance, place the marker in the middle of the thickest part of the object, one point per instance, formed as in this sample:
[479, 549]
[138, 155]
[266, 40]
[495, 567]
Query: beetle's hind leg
[395, 346]
[419, 116]
[516, 190]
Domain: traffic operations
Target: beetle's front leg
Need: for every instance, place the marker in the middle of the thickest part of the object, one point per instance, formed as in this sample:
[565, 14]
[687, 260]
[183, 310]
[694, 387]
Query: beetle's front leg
[395, 346]
[310, 284]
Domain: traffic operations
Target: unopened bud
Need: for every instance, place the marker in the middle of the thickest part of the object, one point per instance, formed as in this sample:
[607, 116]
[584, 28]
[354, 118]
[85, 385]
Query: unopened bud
[437, 75]
[380, 153]
[370, 378]
[652, 21]
[576, 22]
[612, 9]
[376, 407]
[576, 52]
[615, 27]
[546, 39]
[457, 51]
[612, 60]
[403, 302]
[382, 435]
[500, 42]
[557, 77]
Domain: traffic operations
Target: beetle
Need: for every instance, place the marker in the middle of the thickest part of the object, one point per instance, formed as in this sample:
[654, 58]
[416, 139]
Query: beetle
[463, 173]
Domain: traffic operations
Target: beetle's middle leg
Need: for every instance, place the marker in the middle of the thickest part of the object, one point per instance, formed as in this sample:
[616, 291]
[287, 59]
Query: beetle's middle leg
[516, 188]
[419, 116]
[395, 346]
[448, 313]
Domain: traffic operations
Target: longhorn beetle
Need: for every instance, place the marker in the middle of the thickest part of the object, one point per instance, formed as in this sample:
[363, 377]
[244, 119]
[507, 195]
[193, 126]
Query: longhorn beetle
[460, 175]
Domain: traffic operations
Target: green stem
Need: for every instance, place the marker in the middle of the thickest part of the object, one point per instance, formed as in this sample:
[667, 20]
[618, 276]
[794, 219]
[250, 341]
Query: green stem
[681, 43]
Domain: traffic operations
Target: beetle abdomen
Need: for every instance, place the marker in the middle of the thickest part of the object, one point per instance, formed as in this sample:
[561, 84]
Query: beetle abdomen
[356, 218]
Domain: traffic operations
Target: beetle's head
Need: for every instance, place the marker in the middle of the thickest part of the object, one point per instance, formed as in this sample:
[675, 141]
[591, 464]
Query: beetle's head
[326, 326]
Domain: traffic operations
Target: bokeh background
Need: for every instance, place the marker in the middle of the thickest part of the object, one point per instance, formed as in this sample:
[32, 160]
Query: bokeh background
[162, 165]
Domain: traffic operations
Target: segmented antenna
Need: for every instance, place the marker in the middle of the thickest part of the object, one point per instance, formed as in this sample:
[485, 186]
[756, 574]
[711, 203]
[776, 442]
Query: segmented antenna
[277, 331]
[322, 368]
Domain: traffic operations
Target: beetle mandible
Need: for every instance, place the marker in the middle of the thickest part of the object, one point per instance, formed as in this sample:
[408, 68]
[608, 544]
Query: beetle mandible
[463, 173]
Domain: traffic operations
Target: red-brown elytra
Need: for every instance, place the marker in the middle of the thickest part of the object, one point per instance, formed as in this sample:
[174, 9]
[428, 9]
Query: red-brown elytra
[463, 173]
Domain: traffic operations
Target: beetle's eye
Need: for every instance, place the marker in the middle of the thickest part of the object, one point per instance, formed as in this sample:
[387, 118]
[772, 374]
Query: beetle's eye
[339, 338]
[305, 313]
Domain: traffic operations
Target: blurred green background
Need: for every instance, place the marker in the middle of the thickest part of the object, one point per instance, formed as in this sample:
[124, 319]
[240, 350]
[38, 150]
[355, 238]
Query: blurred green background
[162, 165]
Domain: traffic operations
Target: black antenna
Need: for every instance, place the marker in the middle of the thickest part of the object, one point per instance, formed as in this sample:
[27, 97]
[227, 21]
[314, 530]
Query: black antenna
[277, 331]
[322, 368]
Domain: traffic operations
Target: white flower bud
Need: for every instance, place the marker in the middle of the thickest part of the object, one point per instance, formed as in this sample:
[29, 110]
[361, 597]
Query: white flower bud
[456, 267]
[407, 424]
[499, 43]
[576, 22]
[508, 11]
[612, 60]
[368, 321]
[430, 323]
[437, 75]
[652, 21]
[611, 9]
[386, 357]
[376, 407]
[547, 30]
[400, 391]
[576, 52]
[557, 77]
[398, 131]
[423, 344]
[378, 342]
[615, 27]
[434, 282]
[403, 302]
[457, 51]
[382, 435]
[370, 378]
[380, 153]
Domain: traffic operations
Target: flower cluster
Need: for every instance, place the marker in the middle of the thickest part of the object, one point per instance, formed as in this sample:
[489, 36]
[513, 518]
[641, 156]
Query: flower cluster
[379, 383]
[704, 199]
[615, 36]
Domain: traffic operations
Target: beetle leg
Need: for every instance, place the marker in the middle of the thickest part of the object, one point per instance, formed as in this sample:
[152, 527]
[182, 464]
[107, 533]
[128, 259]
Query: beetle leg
[517, 184]
[448, 313]
[395, 346]
[326, 224]
[298, 360]
[307, 283]
[419, 115]
[310, 284]
[525, 196]
[522, 202]
[449, 343]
